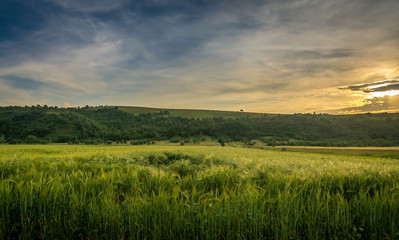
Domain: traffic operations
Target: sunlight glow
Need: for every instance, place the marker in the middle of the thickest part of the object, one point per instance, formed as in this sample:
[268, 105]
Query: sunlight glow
[389, 72]
[379, 85]
[383, 94]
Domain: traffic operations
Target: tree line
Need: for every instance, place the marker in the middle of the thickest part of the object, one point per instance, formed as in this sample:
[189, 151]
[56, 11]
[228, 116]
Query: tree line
[98, 125]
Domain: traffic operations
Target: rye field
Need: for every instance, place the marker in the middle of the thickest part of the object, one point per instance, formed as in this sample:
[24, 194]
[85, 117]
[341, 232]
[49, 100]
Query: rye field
[194, 192]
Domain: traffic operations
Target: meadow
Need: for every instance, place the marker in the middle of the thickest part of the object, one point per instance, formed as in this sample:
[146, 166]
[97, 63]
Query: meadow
[192, 113]
[194, 192]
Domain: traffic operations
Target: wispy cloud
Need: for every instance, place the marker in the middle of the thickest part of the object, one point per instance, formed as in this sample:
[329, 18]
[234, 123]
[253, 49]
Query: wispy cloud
[378, 86]
[20, 82]
[379, 96]
[89, 6]
[376, 104]
[203, 54]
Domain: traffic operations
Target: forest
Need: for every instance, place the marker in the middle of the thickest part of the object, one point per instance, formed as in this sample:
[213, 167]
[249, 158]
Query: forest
[112, 124]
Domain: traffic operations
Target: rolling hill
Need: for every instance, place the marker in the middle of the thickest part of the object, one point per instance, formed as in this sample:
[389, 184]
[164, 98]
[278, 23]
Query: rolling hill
[191, 113]
[139, 125]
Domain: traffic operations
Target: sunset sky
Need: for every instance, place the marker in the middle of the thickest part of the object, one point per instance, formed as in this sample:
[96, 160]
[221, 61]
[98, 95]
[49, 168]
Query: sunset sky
[277, 56]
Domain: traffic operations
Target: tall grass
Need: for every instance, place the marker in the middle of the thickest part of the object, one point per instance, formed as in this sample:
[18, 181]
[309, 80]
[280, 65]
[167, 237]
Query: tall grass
[81, 192]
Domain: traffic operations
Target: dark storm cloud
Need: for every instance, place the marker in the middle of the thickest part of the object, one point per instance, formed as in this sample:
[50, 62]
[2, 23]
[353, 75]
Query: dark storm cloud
[89, 6]
[165, 29]
[383, 88]
[17, 19]
[36, 30]
[379, 86]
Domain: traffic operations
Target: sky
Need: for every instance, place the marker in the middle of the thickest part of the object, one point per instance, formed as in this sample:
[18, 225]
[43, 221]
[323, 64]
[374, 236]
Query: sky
[272, 56]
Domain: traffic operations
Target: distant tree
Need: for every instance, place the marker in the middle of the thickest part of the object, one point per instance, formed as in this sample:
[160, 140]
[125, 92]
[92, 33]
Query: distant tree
[2, 139]
[31, 139]
[175, 139]
[388, 119]
[63, 139]
[15, 141]
[164, 112]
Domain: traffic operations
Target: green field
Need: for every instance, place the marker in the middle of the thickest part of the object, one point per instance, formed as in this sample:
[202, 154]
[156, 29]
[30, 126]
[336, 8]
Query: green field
[381, 152]
[194, 192]
[193, 113]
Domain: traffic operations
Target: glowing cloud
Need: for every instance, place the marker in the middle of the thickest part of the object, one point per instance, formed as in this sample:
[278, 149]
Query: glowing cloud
[264, 56]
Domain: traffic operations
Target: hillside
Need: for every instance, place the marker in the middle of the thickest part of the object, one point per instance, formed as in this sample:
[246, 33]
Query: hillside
[92, 125]
[191, 113]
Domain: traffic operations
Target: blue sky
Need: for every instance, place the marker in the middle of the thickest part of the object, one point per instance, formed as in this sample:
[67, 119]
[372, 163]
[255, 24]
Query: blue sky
[264, 56]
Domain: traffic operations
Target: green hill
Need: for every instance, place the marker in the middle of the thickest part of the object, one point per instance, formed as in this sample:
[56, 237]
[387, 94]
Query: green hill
[90, 125]
[191, 113]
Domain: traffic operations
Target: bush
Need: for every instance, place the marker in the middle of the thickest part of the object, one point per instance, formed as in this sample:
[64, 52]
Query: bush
[15, 141]
[175, 139]
[139, 142]
[31, 139]
[63, 139]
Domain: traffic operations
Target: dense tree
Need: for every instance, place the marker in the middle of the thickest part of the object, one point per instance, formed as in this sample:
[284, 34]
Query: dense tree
[31, 139]
[101, 124]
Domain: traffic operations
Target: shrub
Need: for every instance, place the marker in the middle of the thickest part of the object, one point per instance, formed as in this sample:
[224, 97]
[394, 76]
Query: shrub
[31, 139]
